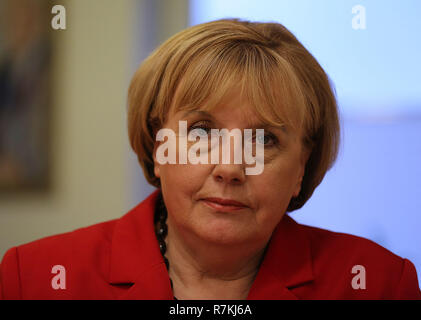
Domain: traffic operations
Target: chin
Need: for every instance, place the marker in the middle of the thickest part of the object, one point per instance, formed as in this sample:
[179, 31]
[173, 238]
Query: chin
[223, 232]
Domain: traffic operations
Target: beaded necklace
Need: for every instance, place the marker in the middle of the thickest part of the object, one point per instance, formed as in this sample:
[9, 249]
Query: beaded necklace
[161, 230]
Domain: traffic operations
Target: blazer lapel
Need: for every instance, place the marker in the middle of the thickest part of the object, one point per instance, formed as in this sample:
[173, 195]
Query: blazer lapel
[152, 284]
[135, 259]
[286, 265]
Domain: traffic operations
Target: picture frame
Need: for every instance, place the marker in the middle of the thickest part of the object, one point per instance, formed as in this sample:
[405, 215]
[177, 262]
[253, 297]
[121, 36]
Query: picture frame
[25, 95]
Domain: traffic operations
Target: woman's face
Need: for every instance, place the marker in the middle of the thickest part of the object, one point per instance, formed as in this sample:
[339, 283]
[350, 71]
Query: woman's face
[190, 190]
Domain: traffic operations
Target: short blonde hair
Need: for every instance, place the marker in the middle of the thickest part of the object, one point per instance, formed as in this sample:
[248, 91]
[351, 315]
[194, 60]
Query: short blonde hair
[282, 80]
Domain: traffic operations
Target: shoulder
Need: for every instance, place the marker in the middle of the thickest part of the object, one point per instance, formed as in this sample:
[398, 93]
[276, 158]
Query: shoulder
[84, 254]
[83, 251]
[326, 242]
[83, 238]
[65, 245]
[369, 269]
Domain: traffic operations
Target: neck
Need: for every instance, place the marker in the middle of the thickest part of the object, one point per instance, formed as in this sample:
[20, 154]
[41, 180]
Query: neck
[201, 270]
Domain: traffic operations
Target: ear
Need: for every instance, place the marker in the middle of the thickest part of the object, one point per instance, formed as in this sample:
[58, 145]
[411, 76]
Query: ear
[297, 189]
[304, 157]
[156, 167]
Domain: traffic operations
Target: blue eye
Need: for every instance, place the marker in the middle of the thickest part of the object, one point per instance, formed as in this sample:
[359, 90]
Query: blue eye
[201, 129]
[201, 132]
[266, 140]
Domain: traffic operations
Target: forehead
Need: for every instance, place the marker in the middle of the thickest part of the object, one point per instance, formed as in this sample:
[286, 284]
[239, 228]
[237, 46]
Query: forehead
[232, 100]
[233, 103]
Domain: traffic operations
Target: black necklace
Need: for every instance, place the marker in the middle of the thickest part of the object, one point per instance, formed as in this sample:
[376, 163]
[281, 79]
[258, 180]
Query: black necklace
[161, 230]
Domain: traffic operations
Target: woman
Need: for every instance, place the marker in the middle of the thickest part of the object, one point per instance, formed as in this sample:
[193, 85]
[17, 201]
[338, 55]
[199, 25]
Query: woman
[212, 230]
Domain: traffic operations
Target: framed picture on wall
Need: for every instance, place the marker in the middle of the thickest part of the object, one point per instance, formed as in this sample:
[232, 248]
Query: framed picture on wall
[25, 92]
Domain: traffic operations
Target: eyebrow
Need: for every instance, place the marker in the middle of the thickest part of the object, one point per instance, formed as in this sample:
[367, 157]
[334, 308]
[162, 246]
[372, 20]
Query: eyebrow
[251, 126]
[201, 112]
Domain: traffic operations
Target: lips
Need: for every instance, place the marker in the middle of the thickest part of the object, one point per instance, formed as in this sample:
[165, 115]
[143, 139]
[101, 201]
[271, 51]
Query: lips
[224, 205]
[226, 202]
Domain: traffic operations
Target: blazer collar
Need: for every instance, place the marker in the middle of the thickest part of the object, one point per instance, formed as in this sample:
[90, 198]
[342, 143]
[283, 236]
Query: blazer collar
[135, 256]
[287, 263]
[136, 259]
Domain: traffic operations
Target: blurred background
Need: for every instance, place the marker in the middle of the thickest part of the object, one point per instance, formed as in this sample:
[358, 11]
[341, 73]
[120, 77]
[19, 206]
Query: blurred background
[65, 160]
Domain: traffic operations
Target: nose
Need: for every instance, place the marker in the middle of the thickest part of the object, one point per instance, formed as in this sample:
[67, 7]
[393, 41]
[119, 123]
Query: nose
[229, 173]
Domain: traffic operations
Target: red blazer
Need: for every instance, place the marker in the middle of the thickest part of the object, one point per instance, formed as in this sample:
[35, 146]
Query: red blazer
[120, 259]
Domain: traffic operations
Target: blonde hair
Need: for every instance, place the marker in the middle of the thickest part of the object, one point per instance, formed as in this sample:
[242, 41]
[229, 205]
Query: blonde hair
[281, 79]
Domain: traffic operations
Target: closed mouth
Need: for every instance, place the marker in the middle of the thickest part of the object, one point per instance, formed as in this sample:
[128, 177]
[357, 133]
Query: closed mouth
[224, 205]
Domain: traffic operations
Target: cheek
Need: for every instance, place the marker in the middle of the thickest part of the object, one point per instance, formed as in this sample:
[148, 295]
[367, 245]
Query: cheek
[179, 183]
[182, 178]
[279, 175]
[275, 186]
